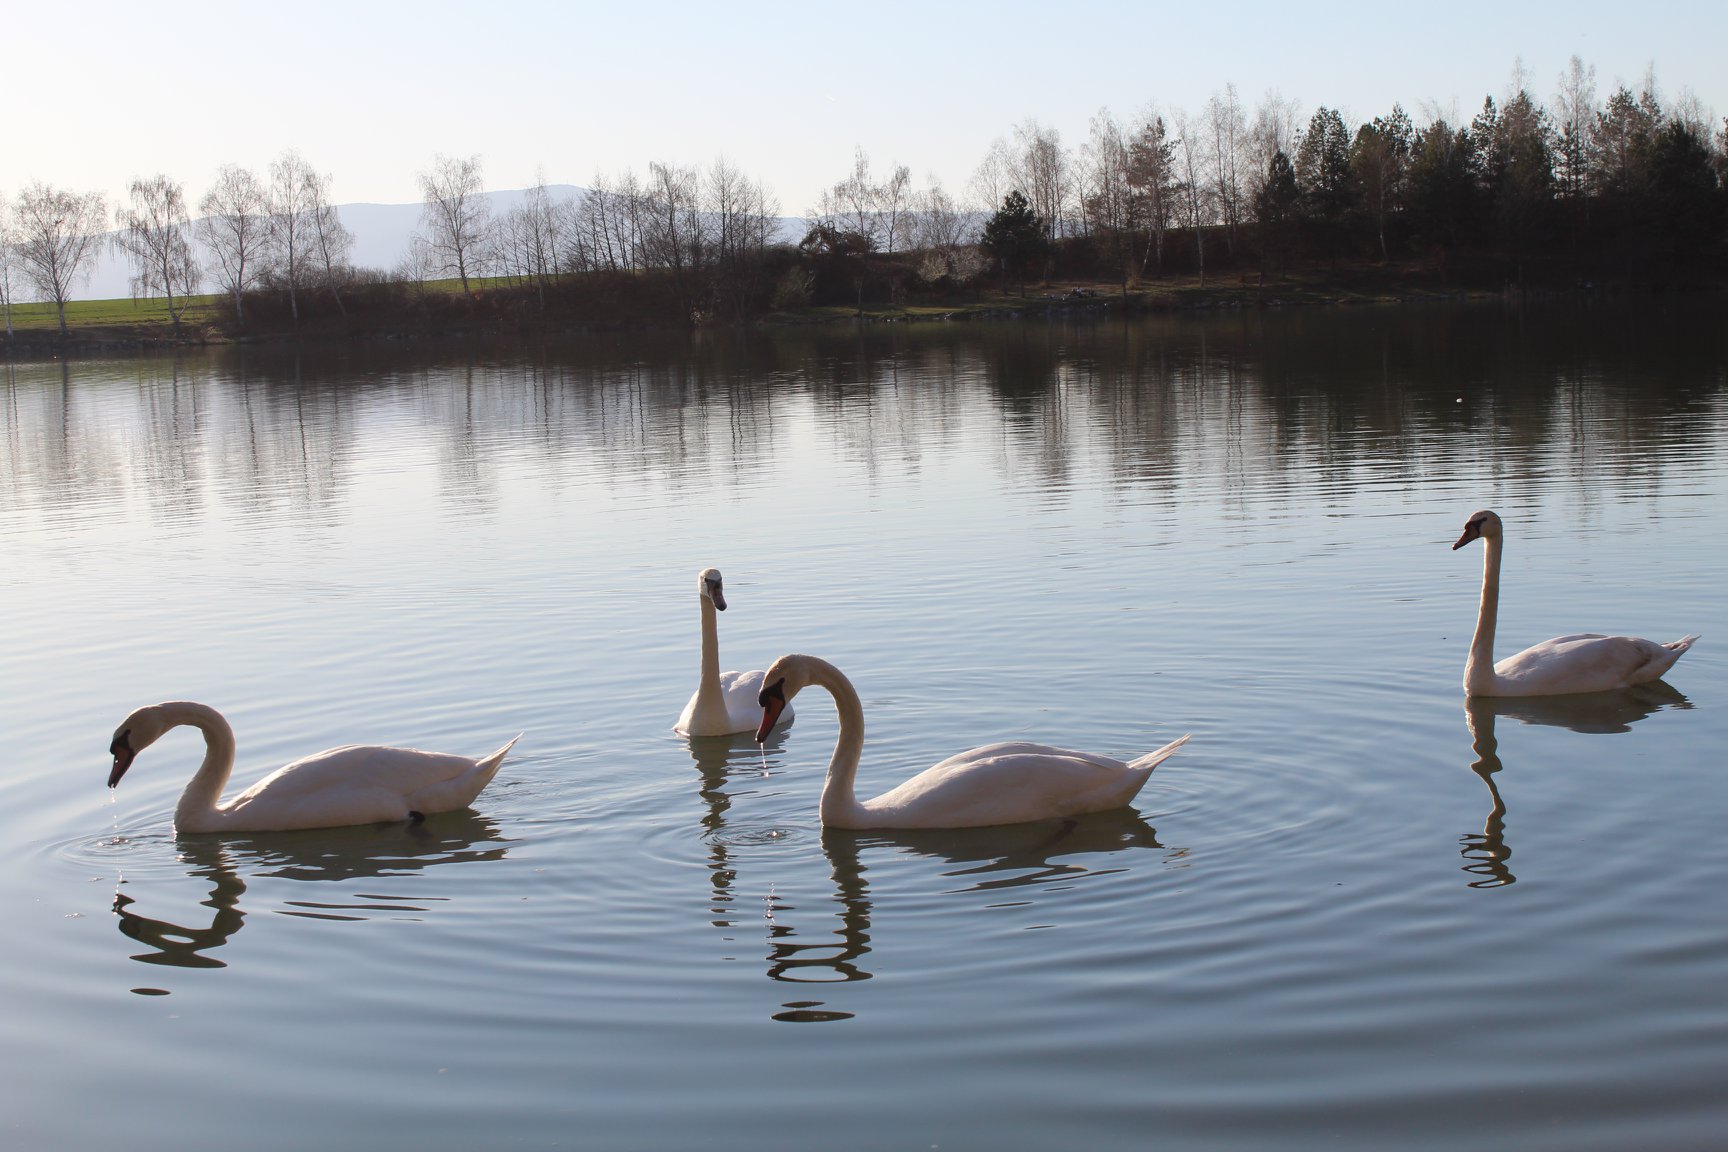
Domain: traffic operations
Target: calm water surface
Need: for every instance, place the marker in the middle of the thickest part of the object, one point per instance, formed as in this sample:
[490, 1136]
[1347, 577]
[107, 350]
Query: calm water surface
[1351, 913]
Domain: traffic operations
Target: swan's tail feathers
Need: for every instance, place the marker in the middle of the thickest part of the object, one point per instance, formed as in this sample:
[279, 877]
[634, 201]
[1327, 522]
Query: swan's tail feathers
[1680, 646]
[497, 757]
[487, 767]
[1152, 759]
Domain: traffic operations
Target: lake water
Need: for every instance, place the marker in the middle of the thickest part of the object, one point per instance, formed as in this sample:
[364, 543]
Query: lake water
[1349, 914]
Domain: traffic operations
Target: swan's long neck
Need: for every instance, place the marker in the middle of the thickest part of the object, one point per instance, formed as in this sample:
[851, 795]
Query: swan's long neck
[708, 693]
[1479, 667]
[839, 795]
[198, 803]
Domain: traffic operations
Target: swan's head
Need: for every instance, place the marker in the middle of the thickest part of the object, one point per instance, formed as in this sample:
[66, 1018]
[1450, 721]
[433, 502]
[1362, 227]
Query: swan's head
[1484, 523]
[136, 733]
[708, 585]
[785, 678]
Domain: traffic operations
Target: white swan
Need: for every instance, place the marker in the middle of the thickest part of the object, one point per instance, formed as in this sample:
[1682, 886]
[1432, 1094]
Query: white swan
[356, 784]
[1586, 662]
[724, 702]
[995, 784]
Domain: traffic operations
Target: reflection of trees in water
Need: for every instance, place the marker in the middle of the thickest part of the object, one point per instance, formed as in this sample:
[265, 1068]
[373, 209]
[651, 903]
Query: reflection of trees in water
[1486, 852]
[58, 457]
[199, 429]
[334, 854]
[1292, 398]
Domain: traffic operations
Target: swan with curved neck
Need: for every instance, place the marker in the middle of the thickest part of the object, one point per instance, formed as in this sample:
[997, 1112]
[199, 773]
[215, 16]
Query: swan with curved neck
[996, 784]
[724, 702]
[1585, 662]
[355, 784]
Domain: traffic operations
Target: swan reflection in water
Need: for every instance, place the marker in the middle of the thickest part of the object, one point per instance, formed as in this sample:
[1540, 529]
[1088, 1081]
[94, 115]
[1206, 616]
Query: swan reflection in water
[801, 948]
[987, 859]
[331, 854]
[1486, 852]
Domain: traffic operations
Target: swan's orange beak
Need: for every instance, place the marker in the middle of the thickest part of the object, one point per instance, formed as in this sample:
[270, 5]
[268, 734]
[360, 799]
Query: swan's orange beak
[123, 754]
[773, 701]
[1472, 531]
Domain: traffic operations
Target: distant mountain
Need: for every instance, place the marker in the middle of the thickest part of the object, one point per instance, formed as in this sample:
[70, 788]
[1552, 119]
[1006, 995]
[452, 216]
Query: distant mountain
[381, 235]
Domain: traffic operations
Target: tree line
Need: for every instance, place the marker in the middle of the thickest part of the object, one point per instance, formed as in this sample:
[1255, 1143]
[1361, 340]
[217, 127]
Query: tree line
[1627, 184]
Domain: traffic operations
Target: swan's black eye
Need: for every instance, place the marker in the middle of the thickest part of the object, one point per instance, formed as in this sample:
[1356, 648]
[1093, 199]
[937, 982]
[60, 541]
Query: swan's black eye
[774, 691]
[121, 741]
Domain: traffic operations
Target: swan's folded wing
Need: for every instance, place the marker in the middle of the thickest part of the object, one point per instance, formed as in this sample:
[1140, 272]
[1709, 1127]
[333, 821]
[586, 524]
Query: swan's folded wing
[1009, 783]
[1587, 662]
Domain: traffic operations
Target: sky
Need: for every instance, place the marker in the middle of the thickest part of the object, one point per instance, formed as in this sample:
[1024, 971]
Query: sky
[370, 93]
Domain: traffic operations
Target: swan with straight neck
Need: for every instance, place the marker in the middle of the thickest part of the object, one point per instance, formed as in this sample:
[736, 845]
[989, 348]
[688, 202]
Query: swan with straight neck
[1583, 662]
[724, 703]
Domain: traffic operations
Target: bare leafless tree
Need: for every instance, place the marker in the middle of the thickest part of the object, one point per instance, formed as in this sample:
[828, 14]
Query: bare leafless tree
[1227, 132]
[417, 265]
[1106, 199]
[293, 225]
[235, 229]
[1041, 170]
[601, 245]
[58, 235]
[456, 221]
[993, 179]
[8, 254]
[630, 203]
[853, 204]
[673, 232]
[1193, 188]
[531, 237]
[603, 213]
[741, 222]
[155, 235]
[894, 207]
[1689, 111]
[331, 240]
[1574, 115]
[728, 200]
[938, 222]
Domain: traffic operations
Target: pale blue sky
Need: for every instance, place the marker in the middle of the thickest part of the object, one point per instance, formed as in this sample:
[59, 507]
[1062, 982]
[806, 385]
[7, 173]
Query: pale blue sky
[369, 92]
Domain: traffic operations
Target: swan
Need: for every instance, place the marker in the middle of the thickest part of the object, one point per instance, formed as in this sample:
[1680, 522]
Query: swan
[724, 702]
[355, 784]
[996, 784]
[1586, 662]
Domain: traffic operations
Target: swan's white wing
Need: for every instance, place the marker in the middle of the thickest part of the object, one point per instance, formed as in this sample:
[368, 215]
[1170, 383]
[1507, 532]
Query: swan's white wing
[738, 696]
[1006, 784]
[1586, 662]
[742, 691]
[359, 784]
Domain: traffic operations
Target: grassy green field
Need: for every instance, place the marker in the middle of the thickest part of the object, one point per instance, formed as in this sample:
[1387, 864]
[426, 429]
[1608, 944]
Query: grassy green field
[148, 319]
[88, 314]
